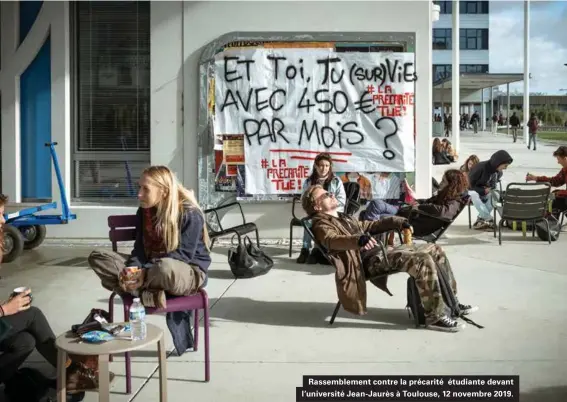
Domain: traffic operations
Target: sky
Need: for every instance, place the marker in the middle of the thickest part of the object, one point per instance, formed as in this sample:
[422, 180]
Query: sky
[548, 43]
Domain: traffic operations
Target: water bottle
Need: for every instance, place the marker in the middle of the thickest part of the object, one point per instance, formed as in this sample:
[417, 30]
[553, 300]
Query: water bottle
[137, 320]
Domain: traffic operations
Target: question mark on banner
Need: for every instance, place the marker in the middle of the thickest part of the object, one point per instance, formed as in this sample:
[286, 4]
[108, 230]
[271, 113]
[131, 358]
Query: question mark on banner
[390, 129]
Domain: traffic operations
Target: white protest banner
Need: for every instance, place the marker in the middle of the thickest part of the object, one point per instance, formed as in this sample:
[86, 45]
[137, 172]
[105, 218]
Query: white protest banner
[292, 104]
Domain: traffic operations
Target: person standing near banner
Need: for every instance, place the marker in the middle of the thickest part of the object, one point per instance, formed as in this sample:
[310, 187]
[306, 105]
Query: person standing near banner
[323, 175]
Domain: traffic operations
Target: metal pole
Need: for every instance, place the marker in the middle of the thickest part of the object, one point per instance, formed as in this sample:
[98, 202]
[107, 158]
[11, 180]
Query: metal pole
[443, 99]
[456, 85]
[526, 68]
[482, 111]
[508, 109]
[491, 108]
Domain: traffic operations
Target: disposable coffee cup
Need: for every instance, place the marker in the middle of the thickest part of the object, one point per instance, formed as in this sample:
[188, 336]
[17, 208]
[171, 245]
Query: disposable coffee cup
[19, 290]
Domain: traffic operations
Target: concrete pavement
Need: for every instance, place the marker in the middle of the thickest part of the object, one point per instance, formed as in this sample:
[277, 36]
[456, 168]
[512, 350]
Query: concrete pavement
[269, 331]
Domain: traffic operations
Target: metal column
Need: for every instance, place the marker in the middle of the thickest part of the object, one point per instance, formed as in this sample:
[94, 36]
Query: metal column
[508, 109]
[482, 111]
[456, 85]
[526, 68]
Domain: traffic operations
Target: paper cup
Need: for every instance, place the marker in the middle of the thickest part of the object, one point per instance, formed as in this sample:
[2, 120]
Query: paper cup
[19, 290]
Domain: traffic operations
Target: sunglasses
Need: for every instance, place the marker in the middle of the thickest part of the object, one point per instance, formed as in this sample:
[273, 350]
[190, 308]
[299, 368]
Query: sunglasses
[326, 195]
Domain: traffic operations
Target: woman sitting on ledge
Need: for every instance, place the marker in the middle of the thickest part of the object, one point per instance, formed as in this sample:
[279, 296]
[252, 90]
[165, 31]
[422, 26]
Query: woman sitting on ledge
[446, 204]
[171, 253]
[439, 154]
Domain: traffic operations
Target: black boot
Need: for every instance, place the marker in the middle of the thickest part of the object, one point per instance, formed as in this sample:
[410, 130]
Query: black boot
[303, 255]
[313, 257]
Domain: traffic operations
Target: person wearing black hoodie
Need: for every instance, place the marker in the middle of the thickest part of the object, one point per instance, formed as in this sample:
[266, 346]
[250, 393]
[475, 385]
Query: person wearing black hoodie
[483, 178]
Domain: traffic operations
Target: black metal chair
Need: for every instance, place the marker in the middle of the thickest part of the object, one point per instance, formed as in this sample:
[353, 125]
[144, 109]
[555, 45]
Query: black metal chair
[471, 205]
[352, 191]
[352, 205]
[325, 252]
[238, 230]
[441, 224]
[295, 221]
[524, 202]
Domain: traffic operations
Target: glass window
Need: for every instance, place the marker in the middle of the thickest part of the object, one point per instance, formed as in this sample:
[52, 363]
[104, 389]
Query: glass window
[473, 39]
[442, 39]
[446, 7]
[473, 7]
[441, 71]
[474, 68]
[112, 97]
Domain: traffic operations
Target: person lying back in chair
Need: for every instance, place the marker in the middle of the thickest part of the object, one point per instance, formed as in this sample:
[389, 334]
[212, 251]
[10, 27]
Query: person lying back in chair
[356, 256]
[446, 204]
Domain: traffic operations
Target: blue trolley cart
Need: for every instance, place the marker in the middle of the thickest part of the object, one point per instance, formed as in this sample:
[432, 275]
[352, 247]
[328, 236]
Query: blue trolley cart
[24, 230]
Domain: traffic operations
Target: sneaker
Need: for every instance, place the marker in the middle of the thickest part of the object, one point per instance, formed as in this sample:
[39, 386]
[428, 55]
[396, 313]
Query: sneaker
[81, 378]
[446, 324]
[479, 222]
[153, 299]
[485, 225]
[467, 309]
[303, 255]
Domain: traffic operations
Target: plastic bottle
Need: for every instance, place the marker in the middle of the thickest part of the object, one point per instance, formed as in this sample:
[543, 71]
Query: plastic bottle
[137, 320]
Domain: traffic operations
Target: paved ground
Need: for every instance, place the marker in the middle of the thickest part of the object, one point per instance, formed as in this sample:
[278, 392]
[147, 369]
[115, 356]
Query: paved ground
[270, 331]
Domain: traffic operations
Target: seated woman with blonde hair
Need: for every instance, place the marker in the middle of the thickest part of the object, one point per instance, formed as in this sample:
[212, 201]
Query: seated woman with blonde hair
[171, 253]
[451, 152]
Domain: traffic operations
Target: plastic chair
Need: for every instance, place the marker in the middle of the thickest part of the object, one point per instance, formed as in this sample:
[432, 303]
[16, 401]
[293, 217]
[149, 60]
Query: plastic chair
[123, 228]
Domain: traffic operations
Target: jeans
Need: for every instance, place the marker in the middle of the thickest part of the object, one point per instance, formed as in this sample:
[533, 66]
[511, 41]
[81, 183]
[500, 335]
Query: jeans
[30, 330]
[307, 241]
[484, 208]
[532, 137]
[377, 209]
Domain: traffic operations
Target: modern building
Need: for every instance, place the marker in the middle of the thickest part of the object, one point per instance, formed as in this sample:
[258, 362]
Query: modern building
[474, 20]
[120, 86]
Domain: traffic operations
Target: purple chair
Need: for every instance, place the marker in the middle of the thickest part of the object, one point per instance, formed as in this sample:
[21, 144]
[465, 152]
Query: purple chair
[123, 228]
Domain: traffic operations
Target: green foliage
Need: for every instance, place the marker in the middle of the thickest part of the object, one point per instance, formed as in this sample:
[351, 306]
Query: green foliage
[550, 116]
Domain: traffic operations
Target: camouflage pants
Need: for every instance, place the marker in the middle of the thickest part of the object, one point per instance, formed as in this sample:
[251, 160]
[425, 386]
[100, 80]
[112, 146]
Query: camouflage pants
[420, 262]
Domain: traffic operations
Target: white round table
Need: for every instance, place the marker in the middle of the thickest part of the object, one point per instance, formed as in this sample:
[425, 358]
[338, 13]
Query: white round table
[68, 343]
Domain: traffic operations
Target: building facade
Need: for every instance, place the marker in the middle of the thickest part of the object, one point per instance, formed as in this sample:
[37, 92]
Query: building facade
[474, 20]
[117, 86]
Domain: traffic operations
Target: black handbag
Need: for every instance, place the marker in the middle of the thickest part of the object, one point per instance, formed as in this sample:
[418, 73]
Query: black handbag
[248, 261]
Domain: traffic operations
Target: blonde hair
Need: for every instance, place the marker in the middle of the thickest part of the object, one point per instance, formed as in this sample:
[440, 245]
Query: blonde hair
[170, 210]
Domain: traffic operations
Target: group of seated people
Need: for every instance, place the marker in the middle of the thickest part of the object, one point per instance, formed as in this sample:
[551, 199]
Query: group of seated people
[171, 248]
[347, 238]
[485, 176]
[443, 152]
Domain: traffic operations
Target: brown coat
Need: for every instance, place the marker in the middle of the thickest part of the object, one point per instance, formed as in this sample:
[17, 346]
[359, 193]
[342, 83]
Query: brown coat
[340, 236]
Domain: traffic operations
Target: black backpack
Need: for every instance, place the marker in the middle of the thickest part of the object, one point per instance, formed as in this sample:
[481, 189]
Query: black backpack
[415, 307]
[540, 228]
[30, 385]
[554, 229]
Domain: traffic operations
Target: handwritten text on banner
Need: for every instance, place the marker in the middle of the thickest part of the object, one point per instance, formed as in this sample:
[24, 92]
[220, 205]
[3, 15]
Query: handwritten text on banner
[291, 104]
